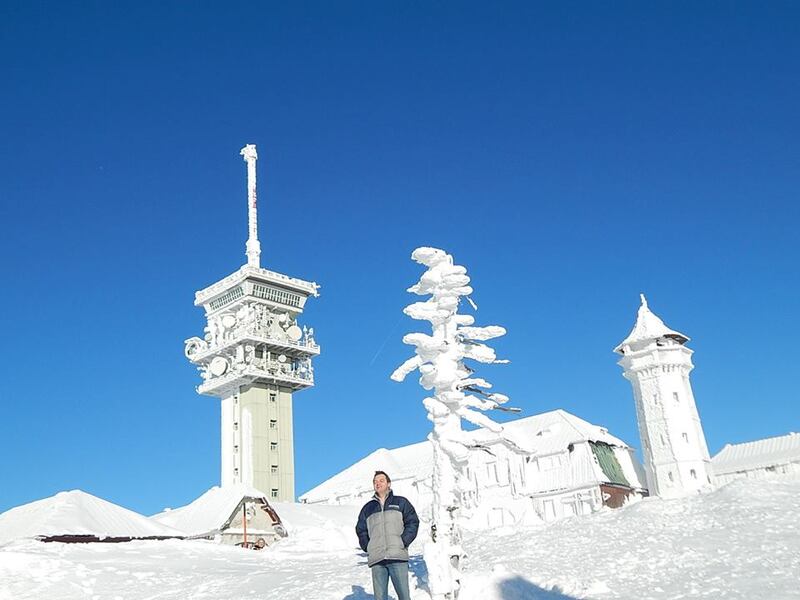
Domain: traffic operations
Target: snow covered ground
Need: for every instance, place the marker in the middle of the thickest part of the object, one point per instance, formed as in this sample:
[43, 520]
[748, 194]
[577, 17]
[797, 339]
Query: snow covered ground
[741, 541]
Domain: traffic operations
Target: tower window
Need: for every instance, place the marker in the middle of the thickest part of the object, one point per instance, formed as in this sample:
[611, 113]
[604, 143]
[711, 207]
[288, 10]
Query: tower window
[273, 396]
[236, 472]
[236, 425]
[273, 423]
[236, 449]
[274, 469]
[273, 445]
[671, 478]
[274, 492]
[655, 399]
[693, 473]
[675, 397]
[685, 437]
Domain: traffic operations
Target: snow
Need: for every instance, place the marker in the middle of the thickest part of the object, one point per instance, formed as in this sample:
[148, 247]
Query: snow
[77, 513]
[648, 327]
[209, 512]
[739, 542]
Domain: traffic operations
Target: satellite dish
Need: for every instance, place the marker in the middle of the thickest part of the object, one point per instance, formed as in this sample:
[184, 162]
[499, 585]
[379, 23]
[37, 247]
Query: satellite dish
[294, 333]
[228, 321]
[218, 366]
[281, 358]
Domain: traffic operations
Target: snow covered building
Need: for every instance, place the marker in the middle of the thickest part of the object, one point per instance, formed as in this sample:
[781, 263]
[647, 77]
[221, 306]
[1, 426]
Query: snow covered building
[544, 467]
[770, 457]
[233, 514]
[254, 356]
[657, 362]
[76, 516]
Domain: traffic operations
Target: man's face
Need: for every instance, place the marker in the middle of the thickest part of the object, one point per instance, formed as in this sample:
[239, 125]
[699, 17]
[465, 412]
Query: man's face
[380, 484]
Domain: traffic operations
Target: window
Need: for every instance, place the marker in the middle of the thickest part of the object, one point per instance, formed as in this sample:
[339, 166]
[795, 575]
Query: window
[273, 396]
[236, 449]
[655, 399]
[693, 473]
[274, 492]
[236, 472]
[675, 396]
[663, 441]
[236, 425]
[685, 437]
[273, 445]
[273, 424]
[274, 469]
[671, 478]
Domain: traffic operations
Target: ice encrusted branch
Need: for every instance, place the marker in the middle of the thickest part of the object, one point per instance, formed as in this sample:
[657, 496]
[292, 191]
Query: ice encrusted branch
[439, 357]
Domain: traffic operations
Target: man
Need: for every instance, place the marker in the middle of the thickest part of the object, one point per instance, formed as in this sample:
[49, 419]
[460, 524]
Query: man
[386, 527]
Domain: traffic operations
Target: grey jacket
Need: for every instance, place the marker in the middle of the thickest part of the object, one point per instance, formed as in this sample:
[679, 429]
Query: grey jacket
[385, 532]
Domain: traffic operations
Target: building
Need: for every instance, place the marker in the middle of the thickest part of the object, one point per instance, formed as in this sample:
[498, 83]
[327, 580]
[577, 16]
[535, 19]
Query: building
[78, 517]
[254, 356]
[771, 457]
[234, 514]
[542, 467]
[657, 362]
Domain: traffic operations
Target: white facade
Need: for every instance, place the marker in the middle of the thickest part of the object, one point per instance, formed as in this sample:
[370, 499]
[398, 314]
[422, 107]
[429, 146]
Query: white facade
[254, 356]
[657, 363]
[761, 459]
[548, 469]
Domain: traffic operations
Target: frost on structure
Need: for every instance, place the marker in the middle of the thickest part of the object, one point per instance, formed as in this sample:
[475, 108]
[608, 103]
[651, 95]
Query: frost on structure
[456, 395]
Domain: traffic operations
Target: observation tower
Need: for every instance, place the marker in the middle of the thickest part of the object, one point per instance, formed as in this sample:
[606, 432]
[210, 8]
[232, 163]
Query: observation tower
[254, 356]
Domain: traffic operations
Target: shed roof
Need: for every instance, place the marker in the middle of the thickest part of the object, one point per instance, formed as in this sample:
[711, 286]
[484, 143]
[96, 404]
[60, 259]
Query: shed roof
[757, 454]
[80, 515]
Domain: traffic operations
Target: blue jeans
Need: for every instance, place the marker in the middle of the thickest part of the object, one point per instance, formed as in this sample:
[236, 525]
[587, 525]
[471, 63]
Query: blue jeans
[381, 573]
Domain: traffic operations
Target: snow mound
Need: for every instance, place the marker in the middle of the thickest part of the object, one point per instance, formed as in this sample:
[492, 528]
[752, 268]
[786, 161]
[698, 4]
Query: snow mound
[208, 512]
[76, 513]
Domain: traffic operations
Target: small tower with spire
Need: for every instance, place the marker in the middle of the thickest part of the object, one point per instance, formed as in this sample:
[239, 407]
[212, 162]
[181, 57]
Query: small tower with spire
[253, 356]
[657, 362]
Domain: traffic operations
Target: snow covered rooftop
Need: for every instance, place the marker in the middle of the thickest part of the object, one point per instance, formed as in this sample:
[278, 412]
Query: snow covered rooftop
[758, 454]
[209, 512]
[547, 433]
[648, 327]
[77, 513]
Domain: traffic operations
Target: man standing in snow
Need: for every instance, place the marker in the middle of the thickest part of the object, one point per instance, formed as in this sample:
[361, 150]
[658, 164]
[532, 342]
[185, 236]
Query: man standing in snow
[386, 527]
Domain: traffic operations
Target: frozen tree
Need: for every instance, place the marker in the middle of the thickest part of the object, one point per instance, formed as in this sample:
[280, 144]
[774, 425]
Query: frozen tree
[456, 395]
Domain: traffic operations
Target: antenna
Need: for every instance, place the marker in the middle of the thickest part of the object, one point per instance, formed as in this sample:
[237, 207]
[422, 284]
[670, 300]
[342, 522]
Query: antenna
[253, 247]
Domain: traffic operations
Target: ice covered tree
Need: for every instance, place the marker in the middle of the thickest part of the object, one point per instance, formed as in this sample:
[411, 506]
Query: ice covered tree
[455, 395]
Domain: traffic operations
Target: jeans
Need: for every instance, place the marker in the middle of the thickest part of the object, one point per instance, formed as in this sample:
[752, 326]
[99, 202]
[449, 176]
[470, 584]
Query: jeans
[381, 573]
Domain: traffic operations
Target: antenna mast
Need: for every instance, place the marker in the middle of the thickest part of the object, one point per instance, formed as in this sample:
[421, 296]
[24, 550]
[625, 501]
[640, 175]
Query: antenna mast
[253, 246]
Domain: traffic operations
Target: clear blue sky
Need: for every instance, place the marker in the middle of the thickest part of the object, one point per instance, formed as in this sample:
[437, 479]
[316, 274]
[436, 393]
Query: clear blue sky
[570, 155]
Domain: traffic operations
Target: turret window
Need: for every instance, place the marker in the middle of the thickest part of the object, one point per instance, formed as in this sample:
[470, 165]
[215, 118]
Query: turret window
[273, 423]
[274, 469]
[274, 493]
[273, 445]
[273, 396]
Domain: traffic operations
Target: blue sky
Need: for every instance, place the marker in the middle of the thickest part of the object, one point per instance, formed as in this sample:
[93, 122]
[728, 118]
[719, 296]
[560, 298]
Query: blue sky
[570, 155]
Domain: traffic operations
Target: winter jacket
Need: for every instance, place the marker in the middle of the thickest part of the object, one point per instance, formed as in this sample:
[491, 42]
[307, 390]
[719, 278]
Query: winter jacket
[385, 532]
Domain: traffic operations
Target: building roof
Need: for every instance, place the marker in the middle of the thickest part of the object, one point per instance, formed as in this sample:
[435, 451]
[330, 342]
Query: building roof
[209, 512]
[648, 327]
[758, 454]
[544, 434]
[78, 514]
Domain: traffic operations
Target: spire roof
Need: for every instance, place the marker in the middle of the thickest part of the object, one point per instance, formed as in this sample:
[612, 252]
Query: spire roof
[649, 327]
